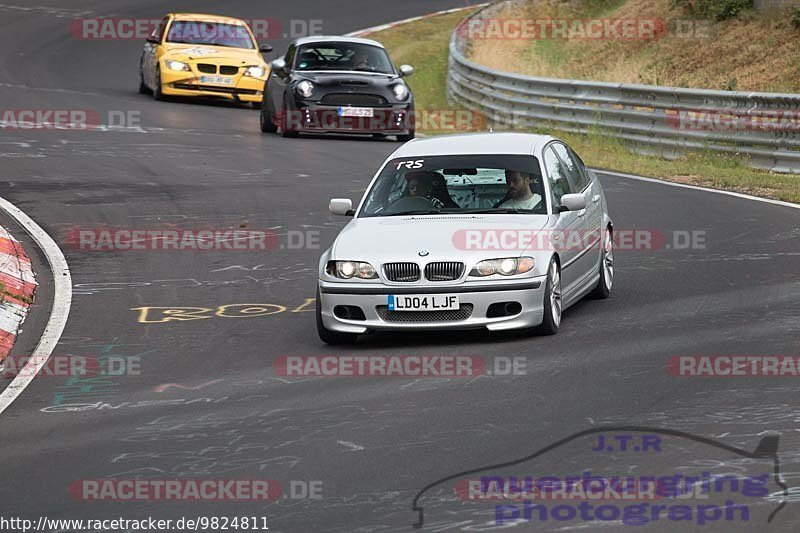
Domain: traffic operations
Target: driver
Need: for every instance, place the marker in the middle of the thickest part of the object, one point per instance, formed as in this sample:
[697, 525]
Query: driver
[361, 60]
[420, 183]
[519, 195]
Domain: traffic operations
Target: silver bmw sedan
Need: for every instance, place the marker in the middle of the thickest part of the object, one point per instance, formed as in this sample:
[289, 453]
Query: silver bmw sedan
[490, 230]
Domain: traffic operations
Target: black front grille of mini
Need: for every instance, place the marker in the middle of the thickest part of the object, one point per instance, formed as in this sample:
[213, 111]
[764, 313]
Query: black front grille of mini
[403, 272]
[207, 68]
[228, 70]
[444, 271]
[345, 99]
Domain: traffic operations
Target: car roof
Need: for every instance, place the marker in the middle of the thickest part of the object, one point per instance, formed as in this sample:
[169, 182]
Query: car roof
[336, 39]
[474, 143]
[203, 17]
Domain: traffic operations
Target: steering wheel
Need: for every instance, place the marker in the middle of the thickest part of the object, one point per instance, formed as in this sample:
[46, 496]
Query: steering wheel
[410, 203]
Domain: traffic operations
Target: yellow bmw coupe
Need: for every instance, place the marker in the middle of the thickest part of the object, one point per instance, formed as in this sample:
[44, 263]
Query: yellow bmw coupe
[189, 54]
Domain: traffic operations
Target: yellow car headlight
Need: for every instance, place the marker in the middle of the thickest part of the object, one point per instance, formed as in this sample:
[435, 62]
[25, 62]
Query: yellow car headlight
[177, 65]
[255, 72]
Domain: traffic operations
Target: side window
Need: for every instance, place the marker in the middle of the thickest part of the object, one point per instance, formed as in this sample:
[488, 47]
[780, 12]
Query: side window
[576, 174]
[290, 57]
[556, 175]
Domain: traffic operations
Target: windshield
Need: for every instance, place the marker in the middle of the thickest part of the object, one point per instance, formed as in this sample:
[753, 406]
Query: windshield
[343, 56]
[457, 184]
[211, 33]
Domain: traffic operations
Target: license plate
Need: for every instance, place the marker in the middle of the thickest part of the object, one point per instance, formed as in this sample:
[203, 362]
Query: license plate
[356, 112]
[216, 80]
[424, 302]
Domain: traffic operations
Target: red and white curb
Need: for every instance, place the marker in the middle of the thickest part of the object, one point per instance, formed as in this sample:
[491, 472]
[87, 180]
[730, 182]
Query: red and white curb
[18, 285]
[373, 29]
[62, 300]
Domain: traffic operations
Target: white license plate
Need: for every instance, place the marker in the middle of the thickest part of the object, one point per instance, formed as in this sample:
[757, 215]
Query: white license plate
[423, 302]
[356, 112]
[216, 80]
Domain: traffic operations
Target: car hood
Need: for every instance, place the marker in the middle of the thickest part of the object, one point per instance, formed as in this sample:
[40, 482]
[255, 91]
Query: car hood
[443, 237]
[197, 52]
[347, 80]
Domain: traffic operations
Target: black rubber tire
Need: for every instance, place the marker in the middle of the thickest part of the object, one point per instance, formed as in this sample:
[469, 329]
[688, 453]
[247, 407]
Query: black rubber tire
[143, 88]
[157, 93]
[332, 337]
[602, 290]
[266, 119]
[549, 325]
[407, 137]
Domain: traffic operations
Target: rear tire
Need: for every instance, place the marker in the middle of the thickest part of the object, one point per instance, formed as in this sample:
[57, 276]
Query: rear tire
[552, 301]
[603, 288]
[331, 337]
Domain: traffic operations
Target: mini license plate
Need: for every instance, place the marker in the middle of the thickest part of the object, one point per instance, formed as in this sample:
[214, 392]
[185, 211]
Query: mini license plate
[423, 302]
[356, 112]
[216, 80]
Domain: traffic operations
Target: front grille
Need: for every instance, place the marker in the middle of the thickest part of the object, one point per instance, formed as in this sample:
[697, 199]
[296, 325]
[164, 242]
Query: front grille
[344, 99]
[444, 271]
[213, 88]
[228, 70]
[405, 272]
[207, 68]
[463, 313]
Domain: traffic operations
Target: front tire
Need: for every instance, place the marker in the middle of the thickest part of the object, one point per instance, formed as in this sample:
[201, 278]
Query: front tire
[603, 288]
[143, 88]
[267, 119]
[331, 337]
[158, 94]
[552, 301]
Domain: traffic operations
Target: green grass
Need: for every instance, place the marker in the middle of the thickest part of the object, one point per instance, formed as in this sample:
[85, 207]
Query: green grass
[424, 45]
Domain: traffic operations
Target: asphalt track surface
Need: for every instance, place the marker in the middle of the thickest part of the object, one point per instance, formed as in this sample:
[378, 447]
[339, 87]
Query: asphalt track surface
[372, 442]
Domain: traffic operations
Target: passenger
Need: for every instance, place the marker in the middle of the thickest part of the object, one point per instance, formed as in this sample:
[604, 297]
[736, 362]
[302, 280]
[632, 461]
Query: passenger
[519, 195]
[420, 183]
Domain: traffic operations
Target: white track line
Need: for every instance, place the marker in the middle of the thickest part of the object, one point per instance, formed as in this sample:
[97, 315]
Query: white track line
[697, 188]
[62, 299]
[373, 29]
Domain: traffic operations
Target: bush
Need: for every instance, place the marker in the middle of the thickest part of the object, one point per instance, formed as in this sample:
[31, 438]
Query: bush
[712, 9]
[796, 18]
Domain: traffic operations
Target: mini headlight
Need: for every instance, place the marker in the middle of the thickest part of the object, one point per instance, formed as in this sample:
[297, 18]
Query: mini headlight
[255, 72]
[507, 266]
[305, 88]
[178, 65]
[400, 91]
[351, 269]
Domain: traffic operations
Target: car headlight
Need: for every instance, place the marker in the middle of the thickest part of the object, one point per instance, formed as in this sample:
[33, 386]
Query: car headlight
[507, 266]
[351, 269]
[178, 65]
[400, 91]
[255, 72]
[305, 88]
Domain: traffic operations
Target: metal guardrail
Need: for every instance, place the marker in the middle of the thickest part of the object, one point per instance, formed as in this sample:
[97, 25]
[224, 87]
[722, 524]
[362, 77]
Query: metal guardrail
[764, 127]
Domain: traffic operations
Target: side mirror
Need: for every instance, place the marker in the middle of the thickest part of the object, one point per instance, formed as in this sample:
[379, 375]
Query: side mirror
[279, 66]
[573, 202]
[265, 48]
[153, 39]
[406, 70]
[341, 206]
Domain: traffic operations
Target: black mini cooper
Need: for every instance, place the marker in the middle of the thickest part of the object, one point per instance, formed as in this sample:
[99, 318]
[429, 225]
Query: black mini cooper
[337, 85]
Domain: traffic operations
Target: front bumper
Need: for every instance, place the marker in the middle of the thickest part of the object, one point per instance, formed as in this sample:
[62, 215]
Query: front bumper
[244, 88]
[529, 293]
[395, 120]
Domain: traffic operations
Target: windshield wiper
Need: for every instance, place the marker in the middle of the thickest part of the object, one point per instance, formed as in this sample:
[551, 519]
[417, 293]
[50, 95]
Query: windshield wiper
[495, 210]
[414, 212]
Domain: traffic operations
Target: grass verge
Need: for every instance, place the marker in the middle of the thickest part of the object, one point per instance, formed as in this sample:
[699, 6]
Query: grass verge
[424, 45]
